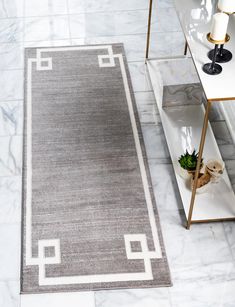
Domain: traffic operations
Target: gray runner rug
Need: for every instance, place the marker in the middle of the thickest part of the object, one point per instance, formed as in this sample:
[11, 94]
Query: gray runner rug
[90, 220]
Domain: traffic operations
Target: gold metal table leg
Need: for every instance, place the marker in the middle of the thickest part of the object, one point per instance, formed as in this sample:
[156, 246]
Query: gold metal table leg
[202, 142]
[149, 29]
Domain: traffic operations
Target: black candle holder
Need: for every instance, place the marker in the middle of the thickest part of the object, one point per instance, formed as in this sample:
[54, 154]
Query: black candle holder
[213, 68]
[223, 55]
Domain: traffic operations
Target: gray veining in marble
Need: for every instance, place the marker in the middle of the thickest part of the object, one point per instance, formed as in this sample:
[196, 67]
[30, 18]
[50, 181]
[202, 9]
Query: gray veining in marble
[10, 191]
[9, 293]
[45, 28]
[10, 155]
[11, 30]
[11, 55]
[11, 85]
[11, 114]
[180, 95]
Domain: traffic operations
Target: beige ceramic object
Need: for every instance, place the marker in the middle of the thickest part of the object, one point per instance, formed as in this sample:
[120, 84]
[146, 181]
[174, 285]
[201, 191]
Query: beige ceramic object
[215, 168]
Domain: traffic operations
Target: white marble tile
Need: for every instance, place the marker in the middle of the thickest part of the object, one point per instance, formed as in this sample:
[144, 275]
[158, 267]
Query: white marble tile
[11, 56]
[9, 294]
[122, 23]
[46, 28]
[133, 298]
[165, 186]
[196, 293]
[85, 6]
[83, 25]
[165, 20]
[11, 118]
[147, 108]
[163, 3]
[44, 7]
[203, 244]
[10, 191]
[76, 7]
[11, 84]
[139, 77]
[221, 132]
[130, 22]
[14, 8]
[11, 30]
[79, 41]
[203, 294]
[162, 44]
[215, 112]
[48, 43]
[216, 272]
[225, 142]
[10, 252]
[227, 151]
[10, 155]
[72, 299]
[155, 143]
[229, 228]
[166, 44]
[228, 108]
[230, 166]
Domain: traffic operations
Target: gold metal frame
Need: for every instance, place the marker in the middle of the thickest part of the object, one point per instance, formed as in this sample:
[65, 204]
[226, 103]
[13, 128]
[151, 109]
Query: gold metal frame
[221, 11]
[204, 128]
[229, 219]
[216, 42]
[201, 147]
[149, 29]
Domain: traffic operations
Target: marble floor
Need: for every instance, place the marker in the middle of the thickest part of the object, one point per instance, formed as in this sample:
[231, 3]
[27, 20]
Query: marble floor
[202, 260]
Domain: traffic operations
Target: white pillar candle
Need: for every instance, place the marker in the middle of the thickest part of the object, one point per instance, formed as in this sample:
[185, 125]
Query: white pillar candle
[219, 26]
[227, 6]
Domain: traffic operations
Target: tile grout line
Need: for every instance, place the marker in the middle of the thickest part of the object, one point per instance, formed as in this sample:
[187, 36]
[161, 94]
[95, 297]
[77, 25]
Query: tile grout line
[95, 299]
[91, 37]
[82, 13]
[10, 176]
[69, 25]
[23, 25]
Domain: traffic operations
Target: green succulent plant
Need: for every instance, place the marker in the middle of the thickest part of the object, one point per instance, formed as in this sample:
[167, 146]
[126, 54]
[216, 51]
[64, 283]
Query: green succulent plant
[189, 161]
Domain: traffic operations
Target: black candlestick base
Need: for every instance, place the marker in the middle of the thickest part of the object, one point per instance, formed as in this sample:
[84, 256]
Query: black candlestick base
[212, 70]
[223, 56]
